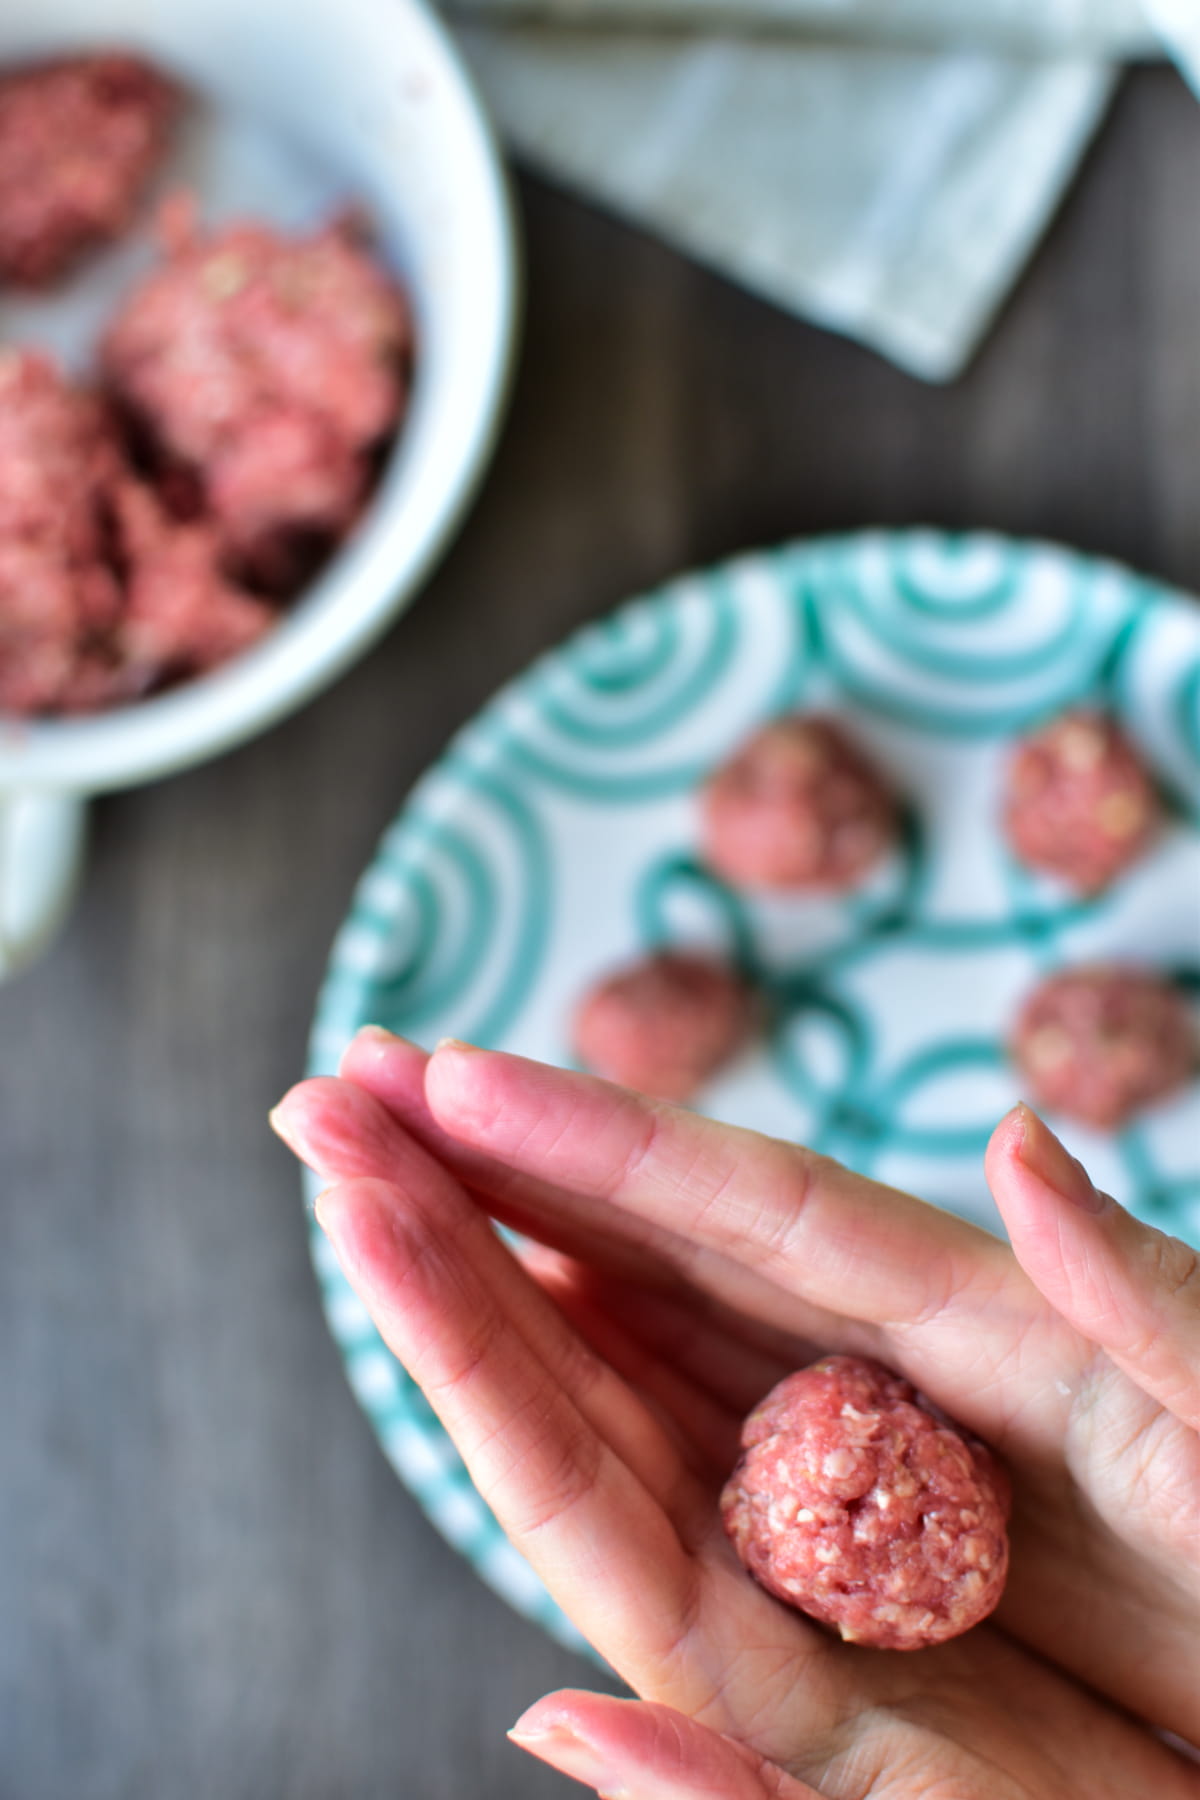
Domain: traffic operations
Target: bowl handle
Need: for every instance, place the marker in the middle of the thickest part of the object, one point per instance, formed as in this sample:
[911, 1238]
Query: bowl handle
[41, 851]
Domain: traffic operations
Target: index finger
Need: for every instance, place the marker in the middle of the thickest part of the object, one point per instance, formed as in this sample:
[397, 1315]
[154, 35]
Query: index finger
[799, 1219]
[786, 1233]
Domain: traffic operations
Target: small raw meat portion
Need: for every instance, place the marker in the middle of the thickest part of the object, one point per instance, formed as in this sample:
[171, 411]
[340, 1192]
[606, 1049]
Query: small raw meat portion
[798, 806]
[1080, 803]
[267, 372]
[860, 1503]
[79, 141]
[181, 614]
[58, 591]
[103, 596]
[1100, 1043]
[665, 1024]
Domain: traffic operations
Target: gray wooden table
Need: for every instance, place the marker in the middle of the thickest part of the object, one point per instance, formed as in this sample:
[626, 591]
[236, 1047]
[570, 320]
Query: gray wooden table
[211, 1584]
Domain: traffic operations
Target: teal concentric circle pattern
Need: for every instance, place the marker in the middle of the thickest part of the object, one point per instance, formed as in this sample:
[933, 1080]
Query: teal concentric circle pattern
[558, 834]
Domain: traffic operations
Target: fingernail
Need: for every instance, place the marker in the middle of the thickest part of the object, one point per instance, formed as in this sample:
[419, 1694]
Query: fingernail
[572, 1755]
[317, 1207]
[1049, 1159]
[284, 1128]
[453, 1043]
[275, 1119]
[378, 1034]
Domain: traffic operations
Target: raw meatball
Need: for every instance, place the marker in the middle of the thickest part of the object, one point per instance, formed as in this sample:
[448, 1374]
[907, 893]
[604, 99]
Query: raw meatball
[1080, 804]
[1101, 1043]
[798, 806]
[105, 597]
[79, 140]
[858, 1502]
[664, 1025]
[268, 372]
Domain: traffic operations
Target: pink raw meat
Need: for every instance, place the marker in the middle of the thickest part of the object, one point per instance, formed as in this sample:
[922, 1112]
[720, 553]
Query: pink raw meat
[272, 370]
[79, 140]
[797, 806]
[103, 596]
[1079, 802]
[861, 1504]
[664, 1024]
[57, 591]
[1101, 1043]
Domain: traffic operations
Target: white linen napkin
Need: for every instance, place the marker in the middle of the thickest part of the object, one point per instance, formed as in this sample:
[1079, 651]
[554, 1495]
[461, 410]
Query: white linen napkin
[882, 167]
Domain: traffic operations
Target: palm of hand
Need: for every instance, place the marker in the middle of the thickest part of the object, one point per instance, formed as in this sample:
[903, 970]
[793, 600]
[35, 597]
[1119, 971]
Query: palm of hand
[590, 1472]
[977, 1719]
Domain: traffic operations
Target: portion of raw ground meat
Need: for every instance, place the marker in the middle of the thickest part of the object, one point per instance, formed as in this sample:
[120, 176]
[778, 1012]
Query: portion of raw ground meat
[79, 141]
[1080, 803]
[102, 595]
[797, 806]
[58, 590]
[1101, 1043]
[861, 1504]
[664, 1024]
[267, 372]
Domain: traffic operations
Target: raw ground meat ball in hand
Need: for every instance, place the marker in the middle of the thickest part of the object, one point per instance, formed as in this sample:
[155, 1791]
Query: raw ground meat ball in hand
[797, 806]
[1079, 802]
[665, 1024]
[1100, 1043]
[79, 140]
[270, 371]
[858, 1502]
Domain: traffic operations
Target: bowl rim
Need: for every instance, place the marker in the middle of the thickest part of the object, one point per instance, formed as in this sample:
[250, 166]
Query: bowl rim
[363, 589]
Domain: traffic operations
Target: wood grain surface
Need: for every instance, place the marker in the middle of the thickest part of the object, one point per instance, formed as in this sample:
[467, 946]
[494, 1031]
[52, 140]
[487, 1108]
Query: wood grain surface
[212, 1587]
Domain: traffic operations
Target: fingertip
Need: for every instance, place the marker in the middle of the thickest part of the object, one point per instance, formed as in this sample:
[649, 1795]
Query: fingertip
[288, 1116]
[452, 1084]
[548, 1714]
[359, 1217]
[1029, 1151]
[373, 1047]
[1009, 1133]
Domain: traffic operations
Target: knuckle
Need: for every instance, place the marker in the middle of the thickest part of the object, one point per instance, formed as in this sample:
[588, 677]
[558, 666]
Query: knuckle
[566, 1455]
[1174, 1268]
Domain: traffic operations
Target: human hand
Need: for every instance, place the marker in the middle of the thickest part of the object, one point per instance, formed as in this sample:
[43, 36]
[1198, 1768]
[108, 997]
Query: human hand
[699, 1362]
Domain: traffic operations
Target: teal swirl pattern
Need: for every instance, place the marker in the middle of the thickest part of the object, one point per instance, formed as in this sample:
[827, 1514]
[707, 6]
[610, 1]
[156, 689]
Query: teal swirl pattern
[558, 836]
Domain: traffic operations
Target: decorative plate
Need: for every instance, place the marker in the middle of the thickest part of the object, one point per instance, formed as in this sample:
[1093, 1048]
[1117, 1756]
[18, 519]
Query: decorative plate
[557, 836]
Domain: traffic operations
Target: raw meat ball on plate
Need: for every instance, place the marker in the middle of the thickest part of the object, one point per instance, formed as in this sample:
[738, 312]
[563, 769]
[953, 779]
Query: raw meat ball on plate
[797, 806]
[1080, 803]
[1102, 1042]
[664, 1024]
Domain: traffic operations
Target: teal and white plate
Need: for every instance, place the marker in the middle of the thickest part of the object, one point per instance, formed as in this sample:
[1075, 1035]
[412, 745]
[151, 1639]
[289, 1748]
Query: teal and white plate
[557, 836]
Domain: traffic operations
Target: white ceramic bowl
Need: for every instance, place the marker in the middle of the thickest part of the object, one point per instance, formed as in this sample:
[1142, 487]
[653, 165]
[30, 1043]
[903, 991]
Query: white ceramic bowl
[371, 94]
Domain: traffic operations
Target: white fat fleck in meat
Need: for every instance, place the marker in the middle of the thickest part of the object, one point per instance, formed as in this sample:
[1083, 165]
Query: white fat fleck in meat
[838, 1465]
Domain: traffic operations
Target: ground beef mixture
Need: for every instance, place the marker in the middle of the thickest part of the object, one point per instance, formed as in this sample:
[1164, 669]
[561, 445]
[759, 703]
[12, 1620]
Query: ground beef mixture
[79, 141]
[861, 1504]
[102, 595]
[1101, 1043]
[1079, 801]
[264, 374]
[146, 528]
[798, 806]
[664, 1024]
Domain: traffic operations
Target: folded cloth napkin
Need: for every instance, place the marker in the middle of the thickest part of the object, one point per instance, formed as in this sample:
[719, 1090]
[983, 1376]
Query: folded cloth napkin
[882, 167]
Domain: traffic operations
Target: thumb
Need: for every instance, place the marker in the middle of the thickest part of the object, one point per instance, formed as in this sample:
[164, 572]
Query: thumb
[636, 1750]
[1130, 1289]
